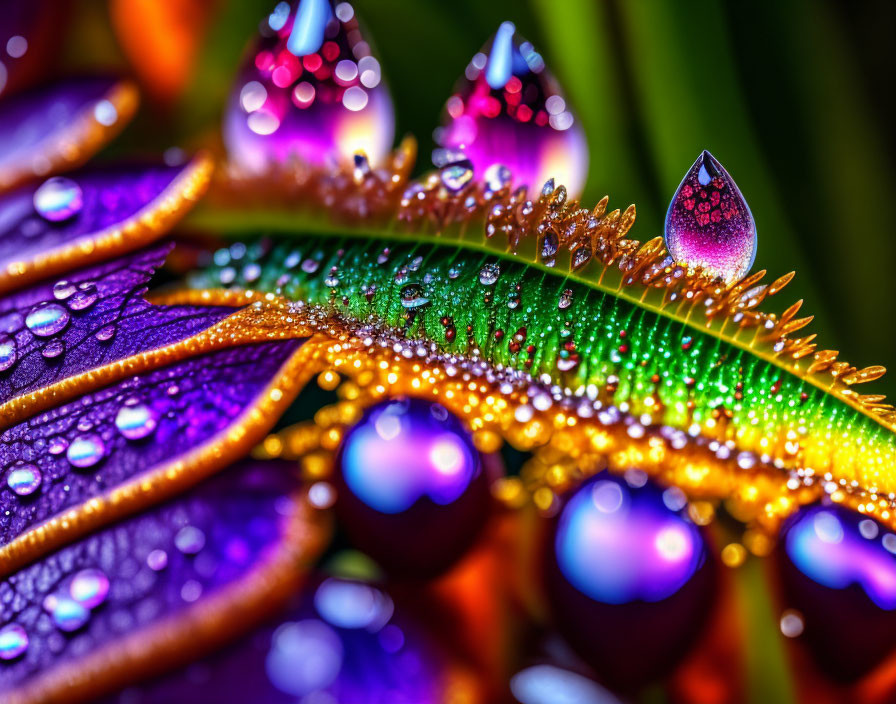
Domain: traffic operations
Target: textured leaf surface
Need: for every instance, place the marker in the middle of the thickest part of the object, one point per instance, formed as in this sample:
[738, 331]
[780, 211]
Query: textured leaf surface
[101, 316]
[172, 572]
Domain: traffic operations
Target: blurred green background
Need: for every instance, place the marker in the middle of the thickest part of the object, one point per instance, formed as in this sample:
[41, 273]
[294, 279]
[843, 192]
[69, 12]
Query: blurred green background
[794, 97]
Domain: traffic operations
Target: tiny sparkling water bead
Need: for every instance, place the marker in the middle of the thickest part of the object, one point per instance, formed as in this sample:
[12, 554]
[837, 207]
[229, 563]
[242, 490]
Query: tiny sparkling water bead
[837, 568]
[628, 578]
[85, 451]
[411, 489]
[89, 587]
[136, 422]
[310, 91]
[8, 352]
[58, 199]
[24, 479]
[13, 641]
[709, 223]
[47, 319]
[507, 113]
[68, 614]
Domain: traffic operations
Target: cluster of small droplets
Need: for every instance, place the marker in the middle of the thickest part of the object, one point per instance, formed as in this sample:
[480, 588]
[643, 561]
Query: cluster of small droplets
[360, 193]
[42, 323]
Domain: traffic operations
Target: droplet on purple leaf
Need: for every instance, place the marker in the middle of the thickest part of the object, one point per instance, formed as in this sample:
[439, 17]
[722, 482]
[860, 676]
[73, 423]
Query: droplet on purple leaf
[13, 641]
[24, 479]
[628, 579]
[311, 90]
[709, 223]
[89, 587]
[837, 569]
[413, 493]
[507, 111]
[58, 199]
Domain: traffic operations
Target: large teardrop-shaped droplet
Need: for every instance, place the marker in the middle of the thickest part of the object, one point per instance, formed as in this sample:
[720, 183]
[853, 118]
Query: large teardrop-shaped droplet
[709, 224]
[310, 91]
[507, 110]
[837, 570]
[629, 578]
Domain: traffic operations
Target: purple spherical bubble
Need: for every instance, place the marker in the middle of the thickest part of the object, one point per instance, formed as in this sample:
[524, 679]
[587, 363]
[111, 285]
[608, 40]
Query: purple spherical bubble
[411, 488]
[507, 111]
[628, 578]
[837, 569]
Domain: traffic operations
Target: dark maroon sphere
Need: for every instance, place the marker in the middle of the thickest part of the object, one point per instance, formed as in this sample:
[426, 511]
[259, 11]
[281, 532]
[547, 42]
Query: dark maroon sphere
[412, 491]
[837, 569]
[629, 579]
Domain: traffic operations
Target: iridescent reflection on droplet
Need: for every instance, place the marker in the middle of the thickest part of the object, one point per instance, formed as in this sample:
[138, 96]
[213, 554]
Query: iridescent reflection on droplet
[508, 112]
[89, 587]
[311, 90]
[86, 450]
[24, 479]
[58, 199]
[136, 421]
[47, 319]
[709, 224]
[13, 641]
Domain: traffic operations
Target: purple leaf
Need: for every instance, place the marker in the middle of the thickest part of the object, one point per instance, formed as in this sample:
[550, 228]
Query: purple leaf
[340, 641]
[60, 126]
[114, 450]
[68, 222]
[159, 588]
[92, 317]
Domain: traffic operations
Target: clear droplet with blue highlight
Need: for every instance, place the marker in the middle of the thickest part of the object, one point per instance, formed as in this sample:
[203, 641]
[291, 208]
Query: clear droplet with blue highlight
[24, 479]
[58, 199]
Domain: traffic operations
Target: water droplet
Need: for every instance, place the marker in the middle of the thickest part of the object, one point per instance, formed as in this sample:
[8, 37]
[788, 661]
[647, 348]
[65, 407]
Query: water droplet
[507, 112]
[311, 90]
[489, 274]
[497, 176]
[47, 319]
[454, 272]
[8, 352]
[58, 199]
[136, 421]
[23, 479]
[709, 224]
[565, 299]
[84, 297]
[157, 560]
[550, 243]
[455, 176]
[53, 349]
[89, 587]
[189, 540]
[85, 451]
[58, 445]
[581, 256]
[413, 296]
[309, 266]
[106, 333]
[13, 641]
[68, 614]
[63, 290]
